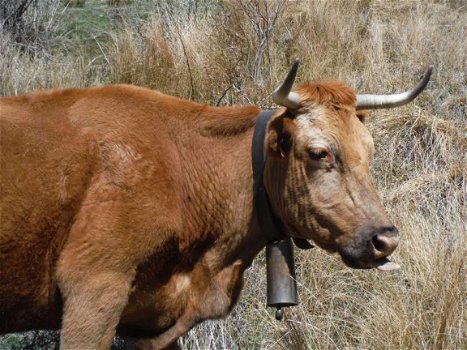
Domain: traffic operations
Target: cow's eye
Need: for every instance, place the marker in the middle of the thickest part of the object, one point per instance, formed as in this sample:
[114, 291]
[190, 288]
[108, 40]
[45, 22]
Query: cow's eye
[321, 154]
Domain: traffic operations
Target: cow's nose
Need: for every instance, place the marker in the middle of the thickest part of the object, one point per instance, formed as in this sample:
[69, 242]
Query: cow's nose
[385, 241]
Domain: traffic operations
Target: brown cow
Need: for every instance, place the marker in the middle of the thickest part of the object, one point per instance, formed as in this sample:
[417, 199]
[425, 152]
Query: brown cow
[123, 209]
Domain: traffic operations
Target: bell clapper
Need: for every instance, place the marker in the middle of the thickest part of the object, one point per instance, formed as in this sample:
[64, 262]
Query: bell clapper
[279, 314]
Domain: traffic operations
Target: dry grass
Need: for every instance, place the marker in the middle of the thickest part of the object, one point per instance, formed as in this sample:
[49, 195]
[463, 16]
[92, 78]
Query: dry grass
[210, 53]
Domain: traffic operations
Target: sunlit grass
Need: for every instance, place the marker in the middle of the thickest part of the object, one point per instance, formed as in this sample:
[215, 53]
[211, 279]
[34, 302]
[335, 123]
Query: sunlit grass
[207, 54]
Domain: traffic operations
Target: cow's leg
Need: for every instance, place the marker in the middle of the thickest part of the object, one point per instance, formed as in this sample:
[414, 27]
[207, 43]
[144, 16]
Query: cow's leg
[92, 309]
[94, 274]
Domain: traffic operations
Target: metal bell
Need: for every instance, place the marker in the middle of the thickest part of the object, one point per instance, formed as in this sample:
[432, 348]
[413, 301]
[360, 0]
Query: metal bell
[281, 284]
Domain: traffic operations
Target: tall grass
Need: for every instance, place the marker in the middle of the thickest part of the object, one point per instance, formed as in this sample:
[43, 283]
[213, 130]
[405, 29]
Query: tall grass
[209, 51]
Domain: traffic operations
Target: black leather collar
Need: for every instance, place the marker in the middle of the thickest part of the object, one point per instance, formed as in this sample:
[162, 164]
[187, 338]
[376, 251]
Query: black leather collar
[271, 226]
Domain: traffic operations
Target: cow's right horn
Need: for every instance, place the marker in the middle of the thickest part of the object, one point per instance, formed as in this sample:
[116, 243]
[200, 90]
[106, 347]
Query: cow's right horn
[395, 100]
[284, 95]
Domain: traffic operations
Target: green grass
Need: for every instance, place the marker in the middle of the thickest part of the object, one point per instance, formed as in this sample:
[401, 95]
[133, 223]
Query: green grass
[86, 21]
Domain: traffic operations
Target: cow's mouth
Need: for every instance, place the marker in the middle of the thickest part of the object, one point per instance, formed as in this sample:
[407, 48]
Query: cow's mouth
[383, 264]
[370, 248]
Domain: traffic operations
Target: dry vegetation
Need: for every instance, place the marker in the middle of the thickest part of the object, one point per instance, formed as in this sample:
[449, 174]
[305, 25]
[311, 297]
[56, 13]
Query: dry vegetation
[235, 52]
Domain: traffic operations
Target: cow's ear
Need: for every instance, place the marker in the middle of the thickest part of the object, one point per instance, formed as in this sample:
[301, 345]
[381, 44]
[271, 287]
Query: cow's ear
[362, 114]
[280, 137]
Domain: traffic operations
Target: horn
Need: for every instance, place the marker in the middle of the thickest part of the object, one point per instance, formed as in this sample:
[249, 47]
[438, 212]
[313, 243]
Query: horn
[395, 100]
[283, 95]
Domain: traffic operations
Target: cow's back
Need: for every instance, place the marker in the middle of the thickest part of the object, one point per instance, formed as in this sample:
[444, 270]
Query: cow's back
[46, 166]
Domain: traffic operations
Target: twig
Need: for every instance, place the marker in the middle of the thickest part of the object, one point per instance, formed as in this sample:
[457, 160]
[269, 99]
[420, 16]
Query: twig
[192, 92]
[102, 51]
[223, 95]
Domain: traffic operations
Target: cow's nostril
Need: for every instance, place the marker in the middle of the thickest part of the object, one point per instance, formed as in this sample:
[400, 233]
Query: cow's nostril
[378, 243]
[386, 242]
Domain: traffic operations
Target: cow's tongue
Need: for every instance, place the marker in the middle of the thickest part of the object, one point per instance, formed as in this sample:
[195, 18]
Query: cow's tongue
[385, 265]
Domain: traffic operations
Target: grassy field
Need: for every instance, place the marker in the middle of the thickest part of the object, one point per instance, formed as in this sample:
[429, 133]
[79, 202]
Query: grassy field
[235, 52]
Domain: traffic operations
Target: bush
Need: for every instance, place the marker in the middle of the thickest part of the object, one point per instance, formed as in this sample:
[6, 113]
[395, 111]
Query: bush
[30, 23]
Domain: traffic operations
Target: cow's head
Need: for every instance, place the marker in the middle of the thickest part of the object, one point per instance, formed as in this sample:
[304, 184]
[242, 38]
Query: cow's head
[317, 171]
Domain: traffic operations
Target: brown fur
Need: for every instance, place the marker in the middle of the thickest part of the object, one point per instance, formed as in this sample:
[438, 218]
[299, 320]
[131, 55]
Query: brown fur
[134, 208]
[325, 92]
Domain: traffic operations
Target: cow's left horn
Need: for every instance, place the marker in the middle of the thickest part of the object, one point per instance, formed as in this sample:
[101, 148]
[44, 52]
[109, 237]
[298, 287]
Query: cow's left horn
[283, 95]
[396, 100]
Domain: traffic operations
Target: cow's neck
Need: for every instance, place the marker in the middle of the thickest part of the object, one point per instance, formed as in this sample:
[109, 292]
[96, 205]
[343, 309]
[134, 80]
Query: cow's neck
[217, 186]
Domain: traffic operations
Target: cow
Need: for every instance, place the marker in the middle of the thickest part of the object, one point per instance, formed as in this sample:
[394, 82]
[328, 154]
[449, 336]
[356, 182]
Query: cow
[127, 211]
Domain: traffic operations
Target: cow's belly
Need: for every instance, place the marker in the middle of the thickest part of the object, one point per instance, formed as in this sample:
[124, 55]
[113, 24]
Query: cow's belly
[195, 295]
